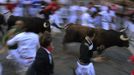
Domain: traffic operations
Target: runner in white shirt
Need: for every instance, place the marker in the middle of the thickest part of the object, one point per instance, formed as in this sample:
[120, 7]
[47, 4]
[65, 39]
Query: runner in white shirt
[96, 20]
[106, 17]
[73, 16]
[27, 45]
[91, 7]
[56, 19]
[18, 11]
[64, 9]
[129, 25]
[3, 7]
[113, 19]
[26, 6]
[35, 8]
[86, 19]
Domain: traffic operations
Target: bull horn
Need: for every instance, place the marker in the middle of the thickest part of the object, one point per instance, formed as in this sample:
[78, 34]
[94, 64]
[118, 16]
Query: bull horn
[45, 25]
[123, 38]
[122, 30]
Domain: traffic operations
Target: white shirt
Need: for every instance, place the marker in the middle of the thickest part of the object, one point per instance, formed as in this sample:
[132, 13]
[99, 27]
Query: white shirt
[26, 1]
[2, 1]
[73, 9]
[3, 9]
[129, 25]
[11, 1]
[18, 11]
[112, 13]
[56, 18]
[93, 9]
[63, 1]
[83, 9]
[27, 42]
[104, 8]
[86, 19]
[97, 20]
[65, 11]
[73, 14]
[106, 16]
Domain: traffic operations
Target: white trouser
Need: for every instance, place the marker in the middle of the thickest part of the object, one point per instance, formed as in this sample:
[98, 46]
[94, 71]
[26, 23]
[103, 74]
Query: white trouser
[105, 25]
[22, 63]
[85, 69]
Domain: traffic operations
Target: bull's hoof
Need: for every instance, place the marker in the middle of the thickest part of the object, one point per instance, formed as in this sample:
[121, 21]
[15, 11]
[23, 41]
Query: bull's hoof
[99, 59]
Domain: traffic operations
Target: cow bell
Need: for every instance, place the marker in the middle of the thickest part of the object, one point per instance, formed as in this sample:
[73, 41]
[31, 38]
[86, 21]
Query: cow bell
[122, 37]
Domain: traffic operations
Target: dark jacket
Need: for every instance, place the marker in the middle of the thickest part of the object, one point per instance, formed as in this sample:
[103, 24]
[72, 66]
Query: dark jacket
[41, 65]
[86, 52]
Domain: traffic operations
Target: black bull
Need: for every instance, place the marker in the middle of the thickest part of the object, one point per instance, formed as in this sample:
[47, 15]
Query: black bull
[36, 22]
[106, 38]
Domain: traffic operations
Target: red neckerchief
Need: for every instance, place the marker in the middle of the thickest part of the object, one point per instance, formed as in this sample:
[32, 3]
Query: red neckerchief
[50, 49]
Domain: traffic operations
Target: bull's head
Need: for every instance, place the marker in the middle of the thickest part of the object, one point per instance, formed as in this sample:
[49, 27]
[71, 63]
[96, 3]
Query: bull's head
[123, 37]
[124, 40]
[46, 24]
